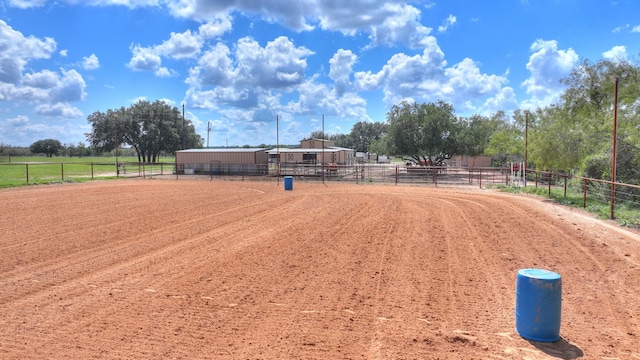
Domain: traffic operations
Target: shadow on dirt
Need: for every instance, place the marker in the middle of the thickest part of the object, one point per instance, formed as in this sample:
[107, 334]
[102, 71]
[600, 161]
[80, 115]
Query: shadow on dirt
[560, 349]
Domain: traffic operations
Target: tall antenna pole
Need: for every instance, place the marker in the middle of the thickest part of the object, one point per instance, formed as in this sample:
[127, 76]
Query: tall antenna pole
[526, 145]
[278, 149]
[115, 139]
[613, 152]
[323, 169]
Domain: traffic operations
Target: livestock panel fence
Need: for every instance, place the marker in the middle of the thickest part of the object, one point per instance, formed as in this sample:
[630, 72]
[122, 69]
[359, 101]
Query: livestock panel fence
[357, 173]
[16, 174]
[590, 192]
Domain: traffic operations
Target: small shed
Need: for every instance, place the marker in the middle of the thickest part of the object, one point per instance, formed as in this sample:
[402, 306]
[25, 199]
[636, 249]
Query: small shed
[463, 161]
[222, 160]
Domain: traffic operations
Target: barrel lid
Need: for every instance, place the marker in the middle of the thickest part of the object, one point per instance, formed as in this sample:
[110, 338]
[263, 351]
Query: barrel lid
[540, 274]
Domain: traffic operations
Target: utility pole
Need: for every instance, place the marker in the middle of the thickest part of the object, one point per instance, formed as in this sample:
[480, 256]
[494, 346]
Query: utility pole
[208, 131]
[278, 148]
[613, 152]
[526, 145]
[183, 126]
[323, 162]
[115, 141]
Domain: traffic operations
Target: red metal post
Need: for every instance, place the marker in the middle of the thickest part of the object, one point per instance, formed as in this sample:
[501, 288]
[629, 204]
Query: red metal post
[613, 153]
[526, 145]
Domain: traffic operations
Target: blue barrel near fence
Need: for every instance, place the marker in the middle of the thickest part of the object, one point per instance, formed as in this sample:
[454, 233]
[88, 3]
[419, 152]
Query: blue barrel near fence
[288, 182]
[538, 305]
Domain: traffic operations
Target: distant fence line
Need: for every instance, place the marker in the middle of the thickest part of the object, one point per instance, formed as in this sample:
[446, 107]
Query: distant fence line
[12, 174]
[15, 174]
[357, 173]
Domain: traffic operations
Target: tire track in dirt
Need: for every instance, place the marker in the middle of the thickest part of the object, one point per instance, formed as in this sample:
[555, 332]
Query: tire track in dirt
[493, 278]
[320, 272]
[116, 247]
[466, 307]
[74, 290]
[312, 261]
[383, 266]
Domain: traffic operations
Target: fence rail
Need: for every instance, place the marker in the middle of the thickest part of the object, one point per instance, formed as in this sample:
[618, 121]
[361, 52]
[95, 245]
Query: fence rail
[15, 174]
[357, 173]
[591, 190]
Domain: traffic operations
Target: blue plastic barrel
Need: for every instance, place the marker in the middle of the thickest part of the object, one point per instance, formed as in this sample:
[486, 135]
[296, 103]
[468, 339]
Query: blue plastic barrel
[538, 305]
[288, 182]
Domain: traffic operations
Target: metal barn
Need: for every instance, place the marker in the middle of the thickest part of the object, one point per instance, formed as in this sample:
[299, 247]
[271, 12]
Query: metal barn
[222, 160]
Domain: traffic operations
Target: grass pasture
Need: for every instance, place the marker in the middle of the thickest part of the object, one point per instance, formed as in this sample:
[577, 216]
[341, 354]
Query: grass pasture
[42, 170]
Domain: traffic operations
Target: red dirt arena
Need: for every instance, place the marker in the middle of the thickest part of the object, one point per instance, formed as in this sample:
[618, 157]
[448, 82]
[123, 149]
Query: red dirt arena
[199, 269]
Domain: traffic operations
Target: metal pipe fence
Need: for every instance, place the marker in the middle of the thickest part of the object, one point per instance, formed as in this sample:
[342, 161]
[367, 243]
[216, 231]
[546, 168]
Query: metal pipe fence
[591, 190]
[356, 173]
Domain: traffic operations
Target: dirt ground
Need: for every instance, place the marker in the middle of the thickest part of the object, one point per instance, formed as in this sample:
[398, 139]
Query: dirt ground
[199, 269]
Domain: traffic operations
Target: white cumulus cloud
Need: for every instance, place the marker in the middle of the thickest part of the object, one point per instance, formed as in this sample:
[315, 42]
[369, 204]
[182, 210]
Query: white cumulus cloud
[180, 45]
[387, 22]
[63, 110]
[547, 66]
[341, 68]
[279, 64]
[90, 62]
[18, 50]
[616, 53]
[25, 4]
[49, 90]
[185, 45]
[144, 58]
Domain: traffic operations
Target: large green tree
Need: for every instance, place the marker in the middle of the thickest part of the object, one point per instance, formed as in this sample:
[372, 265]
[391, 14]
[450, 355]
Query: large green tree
[363, 134]
[149, 128]
[576, 133]
[476, 132]
[507, 142]
[426, 133]
[49, 147]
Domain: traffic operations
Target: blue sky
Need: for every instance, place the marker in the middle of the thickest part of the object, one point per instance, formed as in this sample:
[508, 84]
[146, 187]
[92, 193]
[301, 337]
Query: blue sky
[238, 63]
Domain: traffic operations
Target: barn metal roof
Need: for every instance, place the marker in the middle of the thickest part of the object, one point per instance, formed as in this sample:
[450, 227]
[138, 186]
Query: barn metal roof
[223, 150]
[306, 150]
[269, 151]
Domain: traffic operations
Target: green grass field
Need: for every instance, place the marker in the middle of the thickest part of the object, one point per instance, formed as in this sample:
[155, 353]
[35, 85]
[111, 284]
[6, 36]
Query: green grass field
[42, 170]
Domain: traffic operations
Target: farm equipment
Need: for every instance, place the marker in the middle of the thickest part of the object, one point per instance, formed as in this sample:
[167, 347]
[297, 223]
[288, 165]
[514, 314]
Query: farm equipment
[332, 167]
